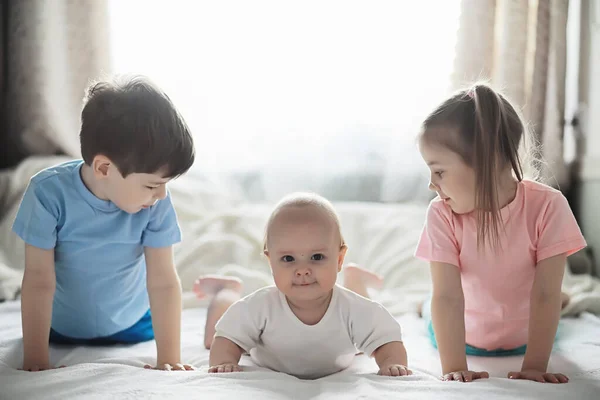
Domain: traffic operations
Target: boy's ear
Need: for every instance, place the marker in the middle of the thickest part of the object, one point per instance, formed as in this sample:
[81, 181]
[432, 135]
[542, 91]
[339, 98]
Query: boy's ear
[341, 256]
[101, 166]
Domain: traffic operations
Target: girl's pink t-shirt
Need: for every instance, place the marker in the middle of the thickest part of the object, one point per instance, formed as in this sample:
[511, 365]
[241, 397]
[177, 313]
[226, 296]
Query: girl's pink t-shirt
[538, 224]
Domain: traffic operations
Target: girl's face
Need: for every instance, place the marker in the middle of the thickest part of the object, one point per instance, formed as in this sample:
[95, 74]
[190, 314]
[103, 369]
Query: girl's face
[450, 177]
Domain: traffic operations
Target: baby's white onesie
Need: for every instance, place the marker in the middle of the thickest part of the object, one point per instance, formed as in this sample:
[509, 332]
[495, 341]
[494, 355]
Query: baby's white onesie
[263, 325]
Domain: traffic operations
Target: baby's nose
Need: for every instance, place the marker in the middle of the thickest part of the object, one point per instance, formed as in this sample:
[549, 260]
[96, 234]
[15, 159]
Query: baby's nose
[303, 272]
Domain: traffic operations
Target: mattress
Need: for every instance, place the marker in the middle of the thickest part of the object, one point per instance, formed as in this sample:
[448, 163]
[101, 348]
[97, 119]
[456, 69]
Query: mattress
[117, 372]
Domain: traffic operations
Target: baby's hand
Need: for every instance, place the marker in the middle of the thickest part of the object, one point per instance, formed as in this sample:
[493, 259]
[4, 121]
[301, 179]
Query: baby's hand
[394, 370]
[228, 367]
[539, 376]
[465, 376]
[171, 367]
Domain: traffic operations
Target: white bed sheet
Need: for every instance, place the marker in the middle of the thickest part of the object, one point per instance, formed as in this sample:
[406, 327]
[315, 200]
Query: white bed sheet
[116, 372]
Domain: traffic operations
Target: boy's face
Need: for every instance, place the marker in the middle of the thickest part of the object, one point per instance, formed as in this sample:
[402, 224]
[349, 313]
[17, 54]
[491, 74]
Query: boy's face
[134, 192]
[305, 253]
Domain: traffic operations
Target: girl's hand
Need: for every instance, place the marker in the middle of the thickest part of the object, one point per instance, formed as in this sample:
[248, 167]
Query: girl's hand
[171, 367]
[394, 370]
[465, 376]
[224, 368]
[538, 376]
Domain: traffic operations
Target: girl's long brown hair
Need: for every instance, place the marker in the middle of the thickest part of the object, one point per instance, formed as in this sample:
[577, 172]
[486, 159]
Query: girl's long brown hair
[486, 130]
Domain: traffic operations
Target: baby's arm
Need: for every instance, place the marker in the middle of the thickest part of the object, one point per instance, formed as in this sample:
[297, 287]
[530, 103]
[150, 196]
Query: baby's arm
[238, 331]
[164, 291]
[39, 283]
[224, 355]
[392, 359]
[545, 305]
[447, 313]
[376, 332]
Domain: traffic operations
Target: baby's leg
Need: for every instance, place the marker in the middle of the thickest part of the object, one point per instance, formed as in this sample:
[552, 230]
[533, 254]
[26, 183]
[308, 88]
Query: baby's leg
[224, 291]
[359, 280]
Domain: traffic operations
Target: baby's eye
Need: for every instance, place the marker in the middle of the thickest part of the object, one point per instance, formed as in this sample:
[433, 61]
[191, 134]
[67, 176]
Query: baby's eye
[287, 259]
[151, 187]
[317, 257]
[439, 173]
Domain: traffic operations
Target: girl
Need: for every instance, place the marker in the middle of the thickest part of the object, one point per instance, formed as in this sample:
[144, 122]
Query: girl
[496, 242]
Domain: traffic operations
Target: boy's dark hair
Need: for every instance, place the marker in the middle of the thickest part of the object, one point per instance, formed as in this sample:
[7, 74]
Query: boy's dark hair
[135, 124]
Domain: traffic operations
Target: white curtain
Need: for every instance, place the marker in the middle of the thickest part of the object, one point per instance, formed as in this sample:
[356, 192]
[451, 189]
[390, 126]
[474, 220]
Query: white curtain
[53, 50]
[316, 95]
[521, 46]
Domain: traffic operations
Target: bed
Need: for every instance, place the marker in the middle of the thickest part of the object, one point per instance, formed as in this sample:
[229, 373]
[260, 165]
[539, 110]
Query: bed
[117, 372]
[223, 234]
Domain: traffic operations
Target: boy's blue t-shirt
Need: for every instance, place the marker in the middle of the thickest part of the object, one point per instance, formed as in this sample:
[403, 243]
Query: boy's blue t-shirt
[98, 250]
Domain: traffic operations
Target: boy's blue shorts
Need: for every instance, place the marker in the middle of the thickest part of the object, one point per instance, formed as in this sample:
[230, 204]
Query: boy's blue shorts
[141, 331]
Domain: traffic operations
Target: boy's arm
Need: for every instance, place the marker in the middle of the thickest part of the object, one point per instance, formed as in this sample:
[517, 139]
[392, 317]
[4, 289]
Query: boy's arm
[224, 355]
[37, 293]
[545, 306]
[164, 291]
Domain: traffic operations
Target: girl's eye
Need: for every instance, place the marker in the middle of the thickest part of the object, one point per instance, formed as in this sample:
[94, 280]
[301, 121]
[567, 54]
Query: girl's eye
[287, 259]
[317, 257]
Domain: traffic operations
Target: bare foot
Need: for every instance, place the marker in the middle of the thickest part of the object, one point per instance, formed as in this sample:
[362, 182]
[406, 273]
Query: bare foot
[564, 299]
[210, 285]
[359, 280]
[225, 291]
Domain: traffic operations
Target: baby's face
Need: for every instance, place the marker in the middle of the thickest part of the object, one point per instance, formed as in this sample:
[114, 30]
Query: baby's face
[305, 253]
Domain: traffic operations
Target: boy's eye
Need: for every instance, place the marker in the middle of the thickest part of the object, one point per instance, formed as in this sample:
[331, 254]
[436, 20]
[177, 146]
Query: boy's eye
[287, 259]
[317, 257]
[439, 173]
[151, 187]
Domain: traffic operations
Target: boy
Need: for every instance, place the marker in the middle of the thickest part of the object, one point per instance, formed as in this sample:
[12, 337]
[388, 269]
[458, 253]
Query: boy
[99, 231]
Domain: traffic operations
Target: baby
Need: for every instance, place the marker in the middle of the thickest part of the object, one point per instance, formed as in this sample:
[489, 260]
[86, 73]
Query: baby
[305, 325]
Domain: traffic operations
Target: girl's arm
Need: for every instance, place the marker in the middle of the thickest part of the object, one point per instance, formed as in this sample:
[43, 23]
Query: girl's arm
[545, 306]
[448, 317]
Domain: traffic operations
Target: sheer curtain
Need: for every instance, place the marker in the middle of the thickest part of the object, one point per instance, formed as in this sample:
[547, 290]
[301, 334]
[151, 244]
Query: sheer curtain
[310, 95]
[521, 46]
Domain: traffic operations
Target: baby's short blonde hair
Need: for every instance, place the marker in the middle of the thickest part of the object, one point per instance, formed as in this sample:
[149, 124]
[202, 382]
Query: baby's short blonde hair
[303, 200]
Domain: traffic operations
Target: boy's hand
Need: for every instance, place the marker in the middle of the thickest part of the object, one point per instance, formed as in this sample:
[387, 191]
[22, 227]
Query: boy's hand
[539, 376]
[394, 370]
[171, 367]
[465, 376]
[228, 367]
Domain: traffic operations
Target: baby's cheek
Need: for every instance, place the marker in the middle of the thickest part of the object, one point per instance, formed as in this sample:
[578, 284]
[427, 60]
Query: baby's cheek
[282, 281]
